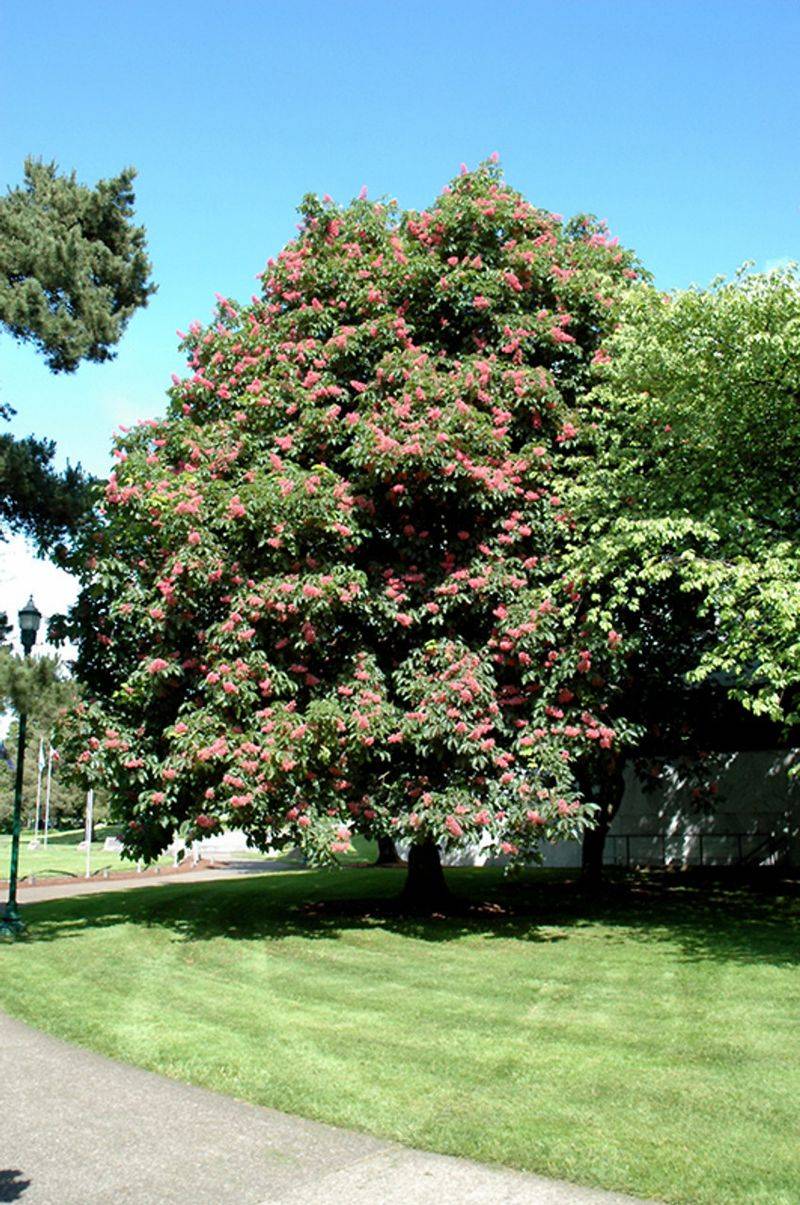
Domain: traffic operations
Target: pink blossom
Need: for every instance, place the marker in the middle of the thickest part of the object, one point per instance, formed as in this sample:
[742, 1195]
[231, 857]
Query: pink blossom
[157, 665]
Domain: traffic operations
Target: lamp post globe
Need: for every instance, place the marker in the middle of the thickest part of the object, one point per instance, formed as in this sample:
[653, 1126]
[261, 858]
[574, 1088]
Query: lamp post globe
[11, 922]
[30, 618]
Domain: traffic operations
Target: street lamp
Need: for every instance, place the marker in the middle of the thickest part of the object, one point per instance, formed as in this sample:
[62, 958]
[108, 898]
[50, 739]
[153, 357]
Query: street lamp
[11, 923]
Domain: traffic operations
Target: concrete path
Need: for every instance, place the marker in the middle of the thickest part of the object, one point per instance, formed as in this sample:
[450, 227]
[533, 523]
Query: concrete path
[33, 894]
[79, 1129]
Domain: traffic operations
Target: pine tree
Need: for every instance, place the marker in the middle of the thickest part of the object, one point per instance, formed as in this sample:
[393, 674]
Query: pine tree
[73, 266]
[73, 269]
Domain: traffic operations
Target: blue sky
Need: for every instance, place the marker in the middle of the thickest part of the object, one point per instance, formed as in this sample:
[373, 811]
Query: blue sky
[677, 122]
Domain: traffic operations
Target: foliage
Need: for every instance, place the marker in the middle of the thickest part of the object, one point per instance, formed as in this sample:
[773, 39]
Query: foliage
[73, 269]
[34, 497]
[327, 590]
[687, 489]
[67, 797]
[36, 686]
[73, 266]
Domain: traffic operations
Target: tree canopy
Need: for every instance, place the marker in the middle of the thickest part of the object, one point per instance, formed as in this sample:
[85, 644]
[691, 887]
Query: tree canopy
[73, 269]
[689, 477]
[326, 593]
[73, 266]
[438, 531]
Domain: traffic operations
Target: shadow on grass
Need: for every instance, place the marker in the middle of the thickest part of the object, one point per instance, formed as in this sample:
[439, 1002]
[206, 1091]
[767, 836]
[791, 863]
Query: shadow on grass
[713, 917]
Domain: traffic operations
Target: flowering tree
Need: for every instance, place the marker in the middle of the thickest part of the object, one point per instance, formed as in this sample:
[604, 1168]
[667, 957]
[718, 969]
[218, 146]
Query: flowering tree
[326, 593]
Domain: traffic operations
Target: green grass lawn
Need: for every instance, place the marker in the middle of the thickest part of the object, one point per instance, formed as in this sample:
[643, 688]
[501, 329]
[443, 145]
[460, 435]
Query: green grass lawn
[647, 1042]
[62, 856]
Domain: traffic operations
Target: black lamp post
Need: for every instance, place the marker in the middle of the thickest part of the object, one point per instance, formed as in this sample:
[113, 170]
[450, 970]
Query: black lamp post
[11, 921]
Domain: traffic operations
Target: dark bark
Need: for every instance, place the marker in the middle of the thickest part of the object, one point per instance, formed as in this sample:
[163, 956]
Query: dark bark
[425, 889]
[604, 784]
[594, 845]
[387, 852]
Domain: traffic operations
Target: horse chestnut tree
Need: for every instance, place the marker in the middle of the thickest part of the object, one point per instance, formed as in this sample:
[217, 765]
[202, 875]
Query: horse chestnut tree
[325, 593]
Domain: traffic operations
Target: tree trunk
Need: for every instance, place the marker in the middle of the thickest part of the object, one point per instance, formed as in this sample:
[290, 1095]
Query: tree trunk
[603, 784]
[387, 852]
[594, 845]
[425, 889]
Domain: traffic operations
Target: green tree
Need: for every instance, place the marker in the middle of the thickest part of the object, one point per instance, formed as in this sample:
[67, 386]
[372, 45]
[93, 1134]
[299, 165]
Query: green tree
[326, 593]
[73, 266]
[38, 687]
[67, 797]
[73, 270]
[686, 511]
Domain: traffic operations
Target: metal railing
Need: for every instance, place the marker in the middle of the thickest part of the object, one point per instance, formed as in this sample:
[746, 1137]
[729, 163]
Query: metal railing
[773, 843]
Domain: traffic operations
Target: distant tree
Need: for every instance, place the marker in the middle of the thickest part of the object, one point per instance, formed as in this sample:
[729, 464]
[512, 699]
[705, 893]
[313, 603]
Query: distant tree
[40, 687]
[73, 269]
[67, 796]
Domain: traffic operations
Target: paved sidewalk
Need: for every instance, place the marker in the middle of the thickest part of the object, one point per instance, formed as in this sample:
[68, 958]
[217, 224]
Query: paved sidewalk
[79, 1129]
[27, 894]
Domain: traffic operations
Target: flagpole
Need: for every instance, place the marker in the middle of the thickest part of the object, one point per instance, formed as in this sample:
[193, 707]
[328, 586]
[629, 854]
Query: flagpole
[89, 810]
[39, 790]
[47, 790]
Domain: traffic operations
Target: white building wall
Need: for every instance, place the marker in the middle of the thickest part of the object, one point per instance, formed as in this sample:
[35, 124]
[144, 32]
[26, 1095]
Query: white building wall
[756, 800]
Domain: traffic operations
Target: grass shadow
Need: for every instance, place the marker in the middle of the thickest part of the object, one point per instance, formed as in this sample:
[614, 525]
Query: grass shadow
[707, 917]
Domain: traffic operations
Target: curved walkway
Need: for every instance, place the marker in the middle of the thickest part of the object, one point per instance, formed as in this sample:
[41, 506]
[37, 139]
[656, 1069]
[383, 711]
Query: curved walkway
[28, 893]
[81, 1129]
